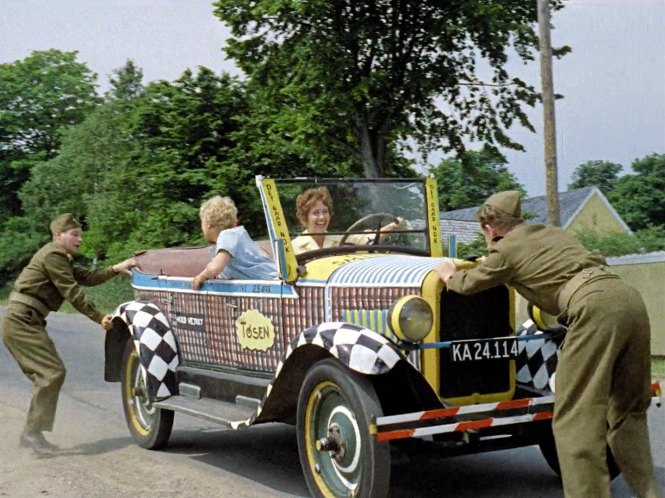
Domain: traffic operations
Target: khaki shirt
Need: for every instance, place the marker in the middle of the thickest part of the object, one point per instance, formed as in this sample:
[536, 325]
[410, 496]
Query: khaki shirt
[536, 260]
[51, 278]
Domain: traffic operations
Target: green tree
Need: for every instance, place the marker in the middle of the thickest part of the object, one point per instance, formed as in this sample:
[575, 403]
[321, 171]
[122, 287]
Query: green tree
[185, 133]
[40, 96]
[136, 170]
[640, 197]
[366, 76]
[81, 179]
[469, 181]
[601, 174]
[267, 143]
[92, 156]
[126, 83]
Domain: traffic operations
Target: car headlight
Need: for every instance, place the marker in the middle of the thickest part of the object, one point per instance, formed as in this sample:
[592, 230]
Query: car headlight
[410, 318]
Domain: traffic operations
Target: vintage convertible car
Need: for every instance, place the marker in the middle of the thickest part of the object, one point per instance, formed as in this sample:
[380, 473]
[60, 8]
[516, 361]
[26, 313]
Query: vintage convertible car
[359, 346]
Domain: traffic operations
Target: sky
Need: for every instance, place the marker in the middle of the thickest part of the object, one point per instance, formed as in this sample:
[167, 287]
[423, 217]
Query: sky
[613, 82]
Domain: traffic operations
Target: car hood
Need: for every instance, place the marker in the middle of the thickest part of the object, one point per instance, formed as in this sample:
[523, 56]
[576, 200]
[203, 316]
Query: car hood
[378, 271]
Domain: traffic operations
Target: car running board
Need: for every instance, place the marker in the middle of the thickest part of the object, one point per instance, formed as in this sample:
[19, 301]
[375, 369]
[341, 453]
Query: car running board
[228, 414]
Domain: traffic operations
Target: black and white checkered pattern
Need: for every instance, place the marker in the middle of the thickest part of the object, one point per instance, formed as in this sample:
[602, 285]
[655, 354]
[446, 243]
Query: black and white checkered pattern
[156, 345]
[538, 358]
[361, 349]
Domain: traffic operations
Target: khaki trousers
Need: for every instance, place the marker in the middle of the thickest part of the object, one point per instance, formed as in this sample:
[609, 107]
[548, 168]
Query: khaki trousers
[603, 391]
[26, 339]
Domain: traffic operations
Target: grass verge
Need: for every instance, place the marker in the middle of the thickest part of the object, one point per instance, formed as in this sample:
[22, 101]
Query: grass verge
[658, 368]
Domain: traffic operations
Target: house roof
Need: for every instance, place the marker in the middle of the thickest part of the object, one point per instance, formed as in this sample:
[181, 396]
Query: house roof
[534, 210]
[465, 231]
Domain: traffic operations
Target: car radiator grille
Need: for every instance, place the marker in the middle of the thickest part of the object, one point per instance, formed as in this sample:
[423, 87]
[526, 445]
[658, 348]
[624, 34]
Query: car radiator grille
[482, 315]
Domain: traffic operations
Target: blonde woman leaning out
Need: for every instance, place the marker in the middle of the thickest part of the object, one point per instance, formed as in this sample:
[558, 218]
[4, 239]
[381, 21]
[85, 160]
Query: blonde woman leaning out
[236, 256]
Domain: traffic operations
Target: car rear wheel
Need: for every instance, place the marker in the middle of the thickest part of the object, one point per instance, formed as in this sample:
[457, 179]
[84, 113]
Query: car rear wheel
[150, 426]
[548, 448]
[338, 454]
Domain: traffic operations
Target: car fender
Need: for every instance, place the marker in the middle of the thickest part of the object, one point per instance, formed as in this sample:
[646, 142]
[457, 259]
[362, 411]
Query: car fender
[155, 344]
[360, 349]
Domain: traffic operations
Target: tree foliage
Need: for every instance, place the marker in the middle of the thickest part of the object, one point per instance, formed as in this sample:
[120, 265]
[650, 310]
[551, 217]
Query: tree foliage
[640, 197]
[40, 96]
[601, 174]
[136, 170]
[135, 164]
[469, 181]
[365, 76]
[472, 250]
[184, 130]
[126, 83]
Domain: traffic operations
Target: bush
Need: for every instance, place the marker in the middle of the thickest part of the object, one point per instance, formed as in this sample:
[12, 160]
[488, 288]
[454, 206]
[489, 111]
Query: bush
[618, 244]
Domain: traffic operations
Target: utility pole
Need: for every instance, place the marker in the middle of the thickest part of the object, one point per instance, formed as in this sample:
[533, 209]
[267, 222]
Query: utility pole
[549, 123]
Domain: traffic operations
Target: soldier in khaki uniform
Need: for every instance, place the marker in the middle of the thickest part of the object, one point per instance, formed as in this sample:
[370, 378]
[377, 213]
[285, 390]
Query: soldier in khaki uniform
[603, 376]
[43, 285]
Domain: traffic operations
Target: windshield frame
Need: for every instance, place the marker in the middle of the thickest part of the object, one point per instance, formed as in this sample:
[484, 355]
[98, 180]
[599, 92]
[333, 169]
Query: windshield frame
[282, 226]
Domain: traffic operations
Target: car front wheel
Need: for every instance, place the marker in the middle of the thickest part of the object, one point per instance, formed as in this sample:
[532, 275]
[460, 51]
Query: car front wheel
[338, 454]
[150, 426]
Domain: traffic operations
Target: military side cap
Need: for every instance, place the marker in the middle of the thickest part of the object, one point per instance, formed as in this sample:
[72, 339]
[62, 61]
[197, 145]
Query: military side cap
[63, 223]
[507, 202]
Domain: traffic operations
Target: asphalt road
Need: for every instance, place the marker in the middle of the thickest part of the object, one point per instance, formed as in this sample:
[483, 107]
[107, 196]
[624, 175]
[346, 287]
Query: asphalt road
[100, 459]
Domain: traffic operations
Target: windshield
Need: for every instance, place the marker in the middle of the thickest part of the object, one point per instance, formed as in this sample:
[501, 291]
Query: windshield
[363, 212]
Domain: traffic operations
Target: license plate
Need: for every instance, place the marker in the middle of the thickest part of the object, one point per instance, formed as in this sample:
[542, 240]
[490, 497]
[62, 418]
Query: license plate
[484, 349]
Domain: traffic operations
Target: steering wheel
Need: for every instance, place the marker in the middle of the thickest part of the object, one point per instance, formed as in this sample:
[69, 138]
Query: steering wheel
[380, 217]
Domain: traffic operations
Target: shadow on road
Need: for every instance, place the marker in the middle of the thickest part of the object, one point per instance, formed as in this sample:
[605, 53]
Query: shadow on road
[93, 448]
[269, 455]
[266, 454]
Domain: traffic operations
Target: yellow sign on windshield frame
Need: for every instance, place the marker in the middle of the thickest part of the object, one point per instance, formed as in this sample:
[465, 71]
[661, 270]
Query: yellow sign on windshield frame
[433, 225]
[277, 230]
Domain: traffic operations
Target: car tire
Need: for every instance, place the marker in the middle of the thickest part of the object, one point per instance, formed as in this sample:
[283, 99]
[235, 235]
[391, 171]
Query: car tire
[150, 426]
[339, 456]
[548, 449]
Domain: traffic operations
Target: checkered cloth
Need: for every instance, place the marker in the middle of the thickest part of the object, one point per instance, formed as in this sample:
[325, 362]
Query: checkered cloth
[156, 345]
[538, 358]
[359, 348]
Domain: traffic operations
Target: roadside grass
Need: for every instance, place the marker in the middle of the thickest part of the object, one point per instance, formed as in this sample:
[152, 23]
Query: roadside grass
[106, 296]
[658, 368]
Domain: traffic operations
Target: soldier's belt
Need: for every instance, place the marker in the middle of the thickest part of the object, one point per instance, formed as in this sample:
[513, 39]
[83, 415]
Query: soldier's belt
[34, 303]
[578, 280]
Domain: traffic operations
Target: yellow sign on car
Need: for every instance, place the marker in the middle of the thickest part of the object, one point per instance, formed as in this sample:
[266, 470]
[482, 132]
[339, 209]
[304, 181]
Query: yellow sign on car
[255, 331]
